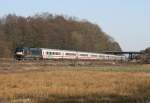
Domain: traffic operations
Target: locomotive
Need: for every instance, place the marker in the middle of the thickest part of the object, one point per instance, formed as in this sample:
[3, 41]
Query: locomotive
[50, 54]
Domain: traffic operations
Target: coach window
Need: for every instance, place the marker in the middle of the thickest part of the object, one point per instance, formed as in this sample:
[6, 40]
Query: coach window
[71, 54]
[94, 55]
[83, 54]
[57, 53]
[51, 53]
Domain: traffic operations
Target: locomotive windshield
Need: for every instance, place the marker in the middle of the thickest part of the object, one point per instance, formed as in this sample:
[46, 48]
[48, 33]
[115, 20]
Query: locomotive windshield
[19, 50]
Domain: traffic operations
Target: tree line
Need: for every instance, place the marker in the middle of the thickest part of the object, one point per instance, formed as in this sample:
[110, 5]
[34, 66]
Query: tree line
[52, 31]
[146, 55]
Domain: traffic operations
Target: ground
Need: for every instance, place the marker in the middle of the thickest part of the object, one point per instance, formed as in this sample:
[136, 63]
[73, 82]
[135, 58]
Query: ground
[67, 84]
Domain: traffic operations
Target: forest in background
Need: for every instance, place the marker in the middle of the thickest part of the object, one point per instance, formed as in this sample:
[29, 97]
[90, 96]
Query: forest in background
[52, 31]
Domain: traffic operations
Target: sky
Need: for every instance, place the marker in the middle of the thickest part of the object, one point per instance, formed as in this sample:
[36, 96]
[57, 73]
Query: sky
[127, 21]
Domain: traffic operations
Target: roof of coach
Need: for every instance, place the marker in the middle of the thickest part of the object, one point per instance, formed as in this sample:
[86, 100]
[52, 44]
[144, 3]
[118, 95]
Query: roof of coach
[67, 50]
[58, 50]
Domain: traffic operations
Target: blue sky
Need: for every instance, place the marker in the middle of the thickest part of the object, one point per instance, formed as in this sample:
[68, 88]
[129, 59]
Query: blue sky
[127, 21]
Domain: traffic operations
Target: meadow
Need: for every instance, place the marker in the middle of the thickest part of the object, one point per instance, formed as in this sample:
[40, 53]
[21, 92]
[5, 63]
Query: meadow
[52, 84]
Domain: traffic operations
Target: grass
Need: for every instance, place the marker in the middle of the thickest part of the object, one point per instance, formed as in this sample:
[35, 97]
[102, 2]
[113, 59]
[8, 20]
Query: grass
[115, 84]
[132, 68]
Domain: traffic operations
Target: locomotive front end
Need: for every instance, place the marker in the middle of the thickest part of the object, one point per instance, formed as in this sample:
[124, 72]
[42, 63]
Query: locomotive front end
[19, 53]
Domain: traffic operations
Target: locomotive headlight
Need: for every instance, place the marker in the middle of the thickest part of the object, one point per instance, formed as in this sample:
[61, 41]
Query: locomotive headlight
[19, 53]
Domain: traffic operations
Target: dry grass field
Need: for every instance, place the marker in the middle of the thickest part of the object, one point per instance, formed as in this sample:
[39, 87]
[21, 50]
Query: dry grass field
[115, 84]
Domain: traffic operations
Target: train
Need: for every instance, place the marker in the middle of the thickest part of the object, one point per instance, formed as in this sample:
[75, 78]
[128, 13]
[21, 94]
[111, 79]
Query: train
[56, 54]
